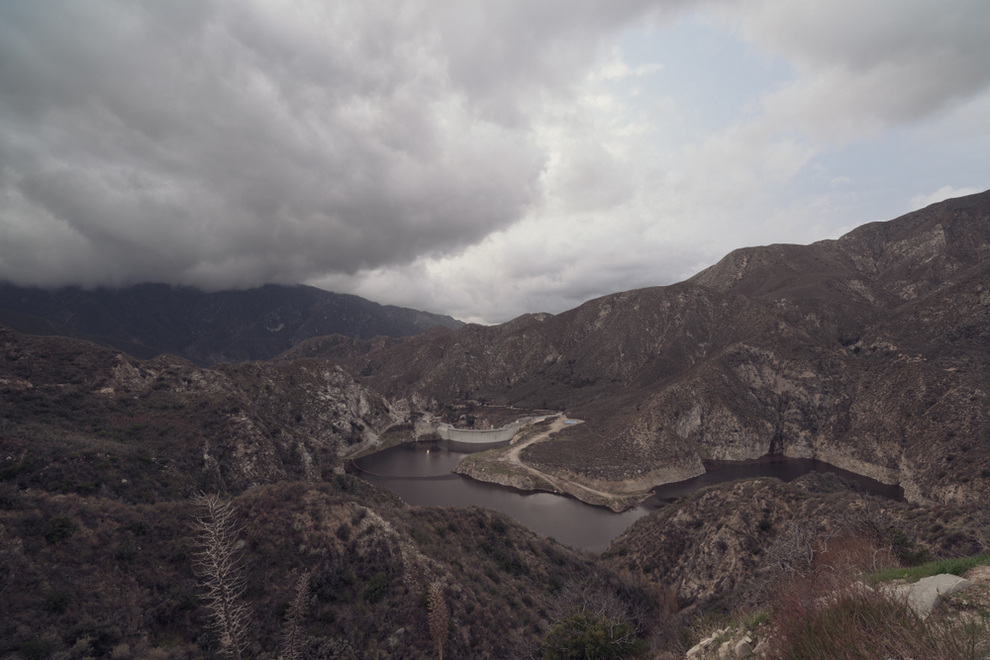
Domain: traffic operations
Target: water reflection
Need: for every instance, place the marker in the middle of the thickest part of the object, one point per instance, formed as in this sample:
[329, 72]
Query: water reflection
[780, 467]
[420, 475]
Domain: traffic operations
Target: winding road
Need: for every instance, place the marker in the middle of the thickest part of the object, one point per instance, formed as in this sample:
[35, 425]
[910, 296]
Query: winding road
[512, 457]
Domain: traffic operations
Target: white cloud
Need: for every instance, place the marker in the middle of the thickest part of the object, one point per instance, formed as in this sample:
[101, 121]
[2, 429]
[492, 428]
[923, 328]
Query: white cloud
[863, 66]
[615, 69]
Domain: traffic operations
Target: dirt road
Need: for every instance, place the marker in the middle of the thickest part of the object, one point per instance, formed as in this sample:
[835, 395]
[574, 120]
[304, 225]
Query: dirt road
[561, 484]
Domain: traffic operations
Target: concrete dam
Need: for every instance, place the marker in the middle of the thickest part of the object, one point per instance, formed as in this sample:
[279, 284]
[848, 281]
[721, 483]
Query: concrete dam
[469, 440]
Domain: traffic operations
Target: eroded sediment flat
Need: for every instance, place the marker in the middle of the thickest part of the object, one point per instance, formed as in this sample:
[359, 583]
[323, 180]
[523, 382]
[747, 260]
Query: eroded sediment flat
[505, 466]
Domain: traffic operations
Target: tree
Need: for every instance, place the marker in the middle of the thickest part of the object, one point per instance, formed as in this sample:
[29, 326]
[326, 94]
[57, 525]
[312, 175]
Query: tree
[219, 567]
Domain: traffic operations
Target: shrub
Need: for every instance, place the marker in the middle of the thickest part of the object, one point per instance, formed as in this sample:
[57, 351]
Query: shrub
[584, 634]
[59, 529]
[867, 624]
[56, 602]
[827, 613]
[35, 649]
[91, 638]
[376, 588]
[906, 550]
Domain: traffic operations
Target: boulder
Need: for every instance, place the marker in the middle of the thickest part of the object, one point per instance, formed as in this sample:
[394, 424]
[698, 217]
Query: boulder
[744, 647]
[924, 595]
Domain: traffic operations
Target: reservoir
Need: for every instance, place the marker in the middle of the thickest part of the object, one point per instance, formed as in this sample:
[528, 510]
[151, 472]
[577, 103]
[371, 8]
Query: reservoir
[420, 475]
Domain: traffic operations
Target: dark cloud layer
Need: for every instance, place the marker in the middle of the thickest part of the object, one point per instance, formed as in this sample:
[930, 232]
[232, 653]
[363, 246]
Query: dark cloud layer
[229, 143]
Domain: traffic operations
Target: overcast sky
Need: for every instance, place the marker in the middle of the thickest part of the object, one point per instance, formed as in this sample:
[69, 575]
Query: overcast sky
[476, 158]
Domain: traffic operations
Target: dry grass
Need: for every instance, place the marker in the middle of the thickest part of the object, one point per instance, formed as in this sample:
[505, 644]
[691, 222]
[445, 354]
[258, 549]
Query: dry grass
[827, 613]
[867, 624]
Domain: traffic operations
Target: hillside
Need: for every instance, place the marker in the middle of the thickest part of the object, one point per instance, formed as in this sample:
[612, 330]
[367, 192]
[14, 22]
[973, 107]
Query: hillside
[206, 327]
[96, 577]
[724, 546]
[868, 352]
[80, 418]
[103, 456]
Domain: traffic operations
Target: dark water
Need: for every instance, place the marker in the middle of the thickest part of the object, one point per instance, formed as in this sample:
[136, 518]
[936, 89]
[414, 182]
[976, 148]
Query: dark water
[420, 475]
[780, 467]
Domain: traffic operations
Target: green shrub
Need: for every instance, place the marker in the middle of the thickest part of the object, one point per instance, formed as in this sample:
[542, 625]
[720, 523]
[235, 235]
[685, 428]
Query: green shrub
[35, 649]
[906, 550]
[377, 586]
[92, 638]
[126, 552]
[56, 602]
[59, 529]
[138, 527]
[584, 634]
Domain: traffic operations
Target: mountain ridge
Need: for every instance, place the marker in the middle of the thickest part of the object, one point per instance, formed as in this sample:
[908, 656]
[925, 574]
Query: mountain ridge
[782, 349]
[206, 327]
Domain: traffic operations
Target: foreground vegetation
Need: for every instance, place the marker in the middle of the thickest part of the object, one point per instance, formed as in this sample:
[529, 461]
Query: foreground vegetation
[832, 604]
[85, 576]
[821, 616]
[93, 578]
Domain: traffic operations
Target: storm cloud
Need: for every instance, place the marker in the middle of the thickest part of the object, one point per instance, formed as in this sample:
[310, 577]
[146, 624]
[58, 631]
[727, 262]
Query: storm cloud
[230, 143]
[476, 158]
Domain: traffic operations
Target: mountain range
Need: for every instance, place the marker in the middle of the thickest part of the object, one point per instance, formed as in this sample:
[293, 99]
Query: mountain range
[869, 352]
[205, 327]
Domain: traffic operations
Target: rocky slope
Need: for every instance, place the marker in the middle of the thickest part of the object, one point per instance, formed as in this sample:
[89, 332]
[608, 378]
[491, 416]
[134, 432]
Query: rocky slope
[75, 417]
[723, 547]
[232, 326]
[869, 352]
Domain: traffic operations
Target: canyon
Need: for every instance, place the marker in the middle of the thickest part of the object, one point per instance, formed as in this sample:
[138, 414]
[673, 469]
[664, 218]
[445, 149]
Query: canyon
[868, 352]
